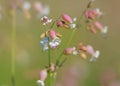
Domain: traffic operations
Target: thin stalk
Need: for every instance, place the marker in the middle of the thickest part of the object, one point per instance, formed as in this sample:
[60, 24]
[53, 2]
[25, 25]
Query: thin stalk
[69, 41]
[49, 63]
[71, 37]
[13, 46]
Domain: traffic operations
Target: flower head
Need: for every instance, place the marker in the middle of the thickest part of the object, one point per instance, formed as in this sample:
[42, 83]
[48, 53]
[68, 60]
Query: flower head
[43, 74]
[45, 20]
[67, 18]
[40, 83]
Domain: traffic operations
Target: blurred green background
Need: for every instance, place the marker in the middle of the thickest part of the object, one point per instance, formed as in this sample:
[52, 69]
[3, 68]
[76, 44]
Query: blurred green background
[30, 58]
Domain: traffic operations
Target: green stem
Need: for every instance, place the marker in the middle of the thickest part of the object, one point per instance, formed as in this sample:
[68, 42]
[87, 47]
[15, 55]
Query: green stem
[69, 41]
[71, 37]
[49, 56]
[49, 63]
[13, 46]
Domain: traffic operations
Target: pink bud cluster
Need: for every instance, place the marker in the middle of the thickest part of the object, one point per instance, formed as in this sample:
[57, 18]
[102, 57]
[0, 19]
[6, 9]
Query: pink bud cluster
[66, 22]
[93, 24]
[82, 50]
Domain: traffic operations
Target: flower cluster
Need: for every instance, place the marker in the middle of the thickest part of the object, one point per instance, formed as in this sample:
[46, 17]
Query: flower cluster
[67, 22]
[51, 39]
[83, 50]
[93, 24]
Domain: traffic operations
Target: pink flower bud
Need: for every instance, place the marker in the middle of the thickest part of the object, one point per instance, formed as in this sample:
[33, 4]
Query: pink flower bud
[52, 67]
[52, 34]
[43, 74]
[92, 28]
[68, 51]
[67, 18]
[98, 25]
[89, 14]
[90, 50]
[59, 23]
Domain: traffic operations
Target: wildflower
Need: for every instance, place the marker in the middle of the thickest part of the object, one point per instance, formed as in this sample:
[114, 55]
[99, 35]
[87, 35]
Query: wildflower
[91, 14]
[52, 34]
[94, 54]
[43, 74]
[50, 39]
[44, 43]
[73, 25]
[54, 43]
[89, 50]
[45, 20]
[71, 50]
[100, 27]
[40, 83]
[67, 18]
[60, 23]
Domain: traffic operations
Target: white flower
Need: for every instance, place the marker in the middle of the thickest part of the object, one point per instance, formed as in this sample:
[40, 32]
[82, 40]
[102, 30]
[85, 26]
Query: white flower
[45, 20]
[73, 25]
[99, 12]
[95, 56]
[75, 52]
[40, 83]
[105, 30]
[55, 42]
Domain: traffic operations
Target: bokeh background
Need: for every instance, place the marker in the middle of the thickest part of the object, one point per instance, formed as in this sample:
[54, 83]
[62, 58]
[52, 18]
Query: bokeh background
[30, 58]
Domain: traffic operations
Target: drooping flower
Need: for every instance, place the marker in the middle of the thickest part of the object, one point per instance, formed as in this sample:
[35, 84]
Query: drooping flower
[43, 74]
[67, 18]
[99, 26]
[89, 50]
[92, 14]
